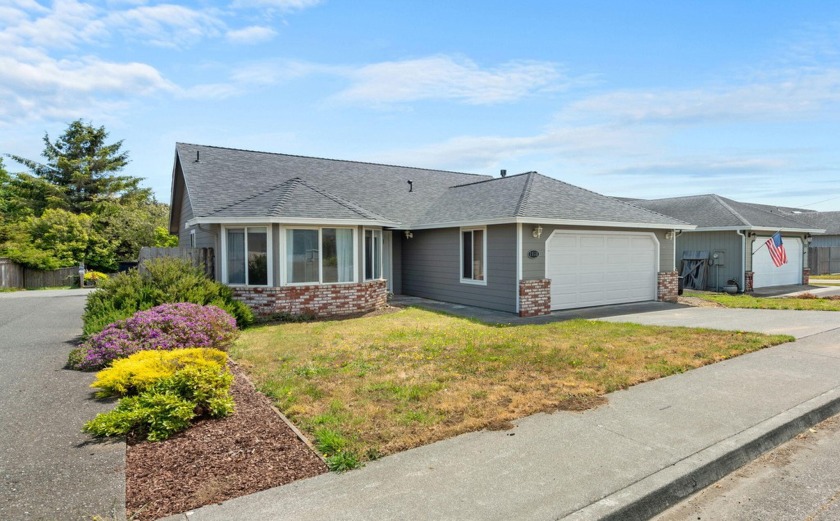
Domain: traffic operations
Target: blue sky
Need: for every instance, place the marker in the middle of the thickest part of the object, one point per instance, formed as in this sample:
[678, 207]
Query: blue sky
[635, 99]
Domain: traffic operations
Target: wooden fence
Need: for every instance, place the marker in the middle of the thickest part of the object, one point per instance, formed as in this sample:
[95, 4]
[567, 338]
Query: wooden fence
[14, 275]
[197, 256]
[824, 260]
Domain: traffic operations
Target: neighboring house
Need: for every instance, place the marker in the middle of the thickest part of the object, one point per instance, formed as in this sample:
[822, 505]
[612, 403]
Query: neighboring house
[300, 234]
[824, 251]
[734, 236]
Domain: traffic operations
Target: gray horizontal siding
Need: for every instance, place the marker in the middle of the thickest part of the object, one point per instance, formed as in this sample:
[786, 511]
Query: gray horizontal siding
[431, 268]
[728, 243]
[535, 268]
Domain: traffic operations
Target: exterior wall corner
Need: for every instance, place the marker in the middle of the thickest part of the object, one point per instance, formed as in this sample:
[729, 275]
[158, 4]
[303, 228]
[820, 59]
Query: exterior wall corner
[667, 286]
[534, 297]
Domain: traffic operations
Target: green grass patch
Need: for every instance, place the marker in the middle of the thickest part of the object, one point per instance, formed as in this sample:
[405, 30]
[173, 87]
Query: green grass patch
[366, 387]
[750, 302]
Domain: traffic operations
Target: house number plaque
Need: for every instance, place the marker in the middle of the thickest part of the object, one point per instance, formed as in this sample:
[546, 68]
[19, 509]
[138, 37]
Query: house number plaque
[533, 254]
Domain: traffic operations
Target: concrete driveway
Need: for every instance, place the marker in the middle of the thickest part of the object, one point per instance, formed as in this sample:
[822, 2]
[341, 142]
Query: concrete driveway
[48, 468]
[799, 324]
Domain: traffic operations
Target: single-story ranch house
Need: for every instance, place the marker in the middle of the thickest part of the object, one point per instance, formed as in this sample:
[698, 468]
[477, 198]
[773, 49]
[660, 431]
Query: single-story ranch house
[732, 236]
[308, 235]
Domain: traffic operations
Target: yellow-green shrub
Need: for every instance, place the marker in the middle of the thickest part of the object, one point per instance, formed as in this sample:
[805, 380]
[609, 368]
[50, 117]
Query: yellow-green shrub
[162, 391]
[143, 369]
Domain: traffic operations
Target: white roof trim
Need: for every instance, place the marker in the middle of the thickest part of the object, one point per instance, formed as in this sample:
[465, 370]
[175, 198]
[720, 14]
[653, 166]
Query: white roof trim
[557, 222]
[287, 220]
[755, 229]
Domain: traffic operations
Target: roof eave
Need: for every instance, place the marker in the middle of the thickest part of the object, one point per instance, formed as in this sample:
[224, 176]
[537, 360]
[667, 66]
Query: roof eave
[307, 221]
[556, 222]
[772, 229]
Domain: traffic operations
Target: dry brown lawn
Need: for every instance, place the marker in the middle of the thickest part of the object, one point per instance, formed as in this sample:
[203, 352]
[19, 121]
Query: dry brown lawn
[365, 387]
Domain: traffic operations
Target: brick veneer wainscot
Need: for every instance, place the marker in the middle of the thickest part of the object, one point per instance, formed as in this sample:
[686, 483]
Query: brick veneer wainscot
[534, 297]
[321, 300]
[806, 275]
[667, 286]
[748, 281]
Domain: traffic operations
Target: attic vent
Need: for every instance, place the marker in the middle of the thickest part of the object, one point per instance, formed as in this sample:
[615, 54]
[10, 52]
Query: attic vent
[410, 185]
[196, 156]
[504, 173]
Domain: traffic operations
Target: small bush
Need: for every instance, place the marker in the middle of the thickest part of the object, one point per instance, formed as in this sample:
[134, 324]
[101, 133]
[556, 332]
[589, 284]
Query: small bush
[165, 281]
[165, 327]
[95, 276]
[162, 391]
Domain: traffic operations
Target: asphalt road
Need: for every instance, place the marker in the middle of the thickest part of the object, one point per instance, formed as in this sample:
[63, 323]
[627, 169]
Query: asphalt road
[799, 480]
[49, 469]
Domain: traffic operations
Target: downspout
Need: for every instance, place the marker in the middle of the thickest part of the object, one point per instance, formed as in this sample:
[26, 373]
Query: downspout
[518, 262]
[743, 260]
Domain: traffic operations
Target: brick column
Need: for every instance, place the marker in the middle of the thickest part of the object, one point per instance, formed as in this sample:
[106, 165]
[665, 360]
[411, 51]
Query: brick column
[534, 297]
[806, 275]
[667, 286]
[748, 282]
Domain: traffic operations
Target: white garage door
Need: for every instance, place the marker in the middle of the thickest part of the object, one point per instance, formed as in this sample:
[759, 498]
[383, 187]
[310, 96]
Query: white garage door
[599, 268]
[765, 273]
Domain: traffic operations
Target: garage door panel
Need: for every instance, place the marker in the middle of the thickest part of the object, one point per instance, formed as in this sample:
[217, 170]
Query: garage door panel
[766, 274]
[592, 269]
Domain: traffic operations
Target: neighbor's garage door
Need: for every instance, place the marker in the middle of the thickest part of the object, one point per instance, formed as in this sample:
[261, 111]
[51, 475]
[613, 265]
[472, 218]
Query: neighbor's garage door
[765, 273]
[594, 269]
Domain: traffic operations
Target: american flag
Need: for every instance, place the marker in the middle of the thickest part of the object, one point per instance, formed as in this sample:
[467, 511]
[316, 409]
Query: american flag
[777, 249]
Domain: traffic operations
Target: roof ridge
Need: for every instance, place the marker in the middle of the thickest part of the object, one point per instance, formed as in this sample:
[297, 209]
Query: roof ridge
[729, 207]
[330, 159]
[263, 192]
[350, 205]
[526, 192]
[492, 179]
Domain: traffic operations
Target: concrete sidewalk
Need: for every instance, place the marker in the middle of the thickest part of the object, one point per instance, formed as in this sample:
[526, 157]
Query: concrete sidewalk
[647, 448]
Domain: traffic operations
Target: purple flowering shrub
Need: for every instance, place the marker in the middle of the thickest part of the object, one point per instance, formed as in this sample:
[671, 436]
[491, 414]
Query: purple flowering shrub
[164, 327]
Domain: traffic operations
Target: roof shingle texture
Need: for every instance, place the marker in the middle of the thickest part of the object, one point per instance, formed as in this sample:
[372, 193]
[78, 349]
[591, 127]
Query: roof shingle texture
[239, 183]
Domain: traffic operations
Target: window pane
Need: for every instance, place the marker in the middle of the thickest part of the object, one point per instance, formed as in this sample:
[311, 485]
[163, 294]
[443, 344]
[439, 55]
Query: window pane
[236, 256]
[257, 257]
[377, 254]
[369, 254]
[302, 255]
[466, 240]
[337, 245]
[478, 254]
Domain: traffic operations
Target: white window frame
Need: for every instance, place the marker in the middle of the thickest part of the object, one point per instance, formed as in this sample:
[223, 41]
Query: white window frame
[269, 251]
[381, 250]
[283, 234]
[461, 231]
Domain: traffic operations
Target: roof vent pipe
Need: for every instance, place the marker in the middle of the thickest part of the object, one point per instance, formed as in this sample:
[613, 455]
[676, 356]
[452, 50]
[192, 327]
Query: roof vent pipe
[410, 185]
[196, 156]
[504, 173]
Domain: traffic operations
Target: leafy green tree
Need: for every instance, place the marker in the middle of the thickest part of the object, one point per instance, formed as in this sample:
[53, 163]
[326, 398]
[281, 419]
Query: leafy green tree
[84, 168]
[163, 239]
[131, 225]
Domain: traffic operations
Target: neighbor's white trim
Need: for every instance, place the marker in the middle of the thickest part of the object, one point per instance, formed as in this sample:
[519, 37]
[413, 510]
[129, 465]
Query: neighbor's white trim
[743, 258]
[754, 229]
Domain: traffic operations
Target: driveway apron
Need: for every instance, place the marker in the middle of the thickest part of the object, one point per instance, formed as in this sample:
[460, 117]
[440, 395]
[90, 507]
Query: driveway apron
[49, 469]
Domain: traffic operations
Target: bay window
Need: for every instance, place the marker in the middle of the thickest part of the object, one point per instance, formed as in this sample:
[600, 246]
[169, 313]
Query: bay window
[247, 255]
[373, 254]
[322, 255]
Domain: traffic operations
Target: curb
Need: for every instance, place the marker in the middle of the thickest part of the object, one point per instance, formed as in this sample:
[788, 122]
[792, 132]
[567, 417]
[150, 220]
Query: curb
[663, 489]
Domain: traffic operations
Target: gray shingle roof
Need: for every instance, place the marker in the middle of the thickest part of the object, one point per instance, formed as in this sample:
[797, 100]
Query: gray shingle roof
[231, 183]
[829, 221]
[534, 196]
[714, 211]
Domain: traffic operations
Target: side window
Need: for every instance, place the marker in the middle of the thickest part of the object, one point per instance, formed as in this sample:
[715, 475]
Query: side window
[472, 255]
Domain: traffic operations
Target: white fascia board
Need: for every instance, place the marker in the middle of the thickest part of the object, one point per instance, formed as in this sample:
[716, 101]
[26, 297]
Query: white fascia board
[555, 222]
[755, 229]
[288, 220]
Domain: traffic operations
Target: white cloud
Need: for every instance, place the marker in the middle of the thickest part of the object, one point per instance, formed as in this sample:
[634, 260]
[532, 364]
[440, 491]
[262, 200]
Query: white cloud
[251, 35]
[167, 25]
[281, 5]
[446, 77]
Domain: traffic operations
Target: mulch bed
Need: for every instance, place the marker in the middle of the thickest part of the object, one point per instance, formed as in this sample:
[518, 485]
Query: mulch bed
[215, 460]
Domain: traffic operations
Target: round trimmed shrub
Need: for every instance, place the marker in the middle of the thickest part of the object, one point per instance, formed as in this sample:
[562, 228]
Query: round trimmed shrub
[164, 327]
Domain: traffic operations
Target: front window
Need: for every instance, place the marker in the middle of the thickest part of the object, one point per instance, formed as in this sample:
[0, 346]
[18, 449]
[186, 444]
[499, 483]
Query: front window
[324, 255]
[373, 254]
[247, 256]
[472, 255]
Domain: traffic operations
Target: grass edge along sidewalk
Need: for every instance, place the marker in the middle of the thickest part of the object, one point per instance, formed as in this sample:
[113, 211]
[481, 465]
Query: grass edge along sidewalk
[804, 302]
[365, 387]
